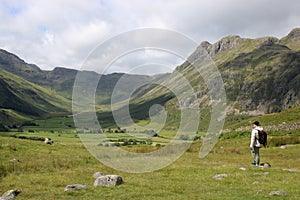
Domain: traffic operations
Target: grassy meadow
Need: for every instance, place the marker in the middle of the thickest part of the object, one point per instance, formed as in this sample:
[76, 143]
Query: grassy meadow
[45, 170]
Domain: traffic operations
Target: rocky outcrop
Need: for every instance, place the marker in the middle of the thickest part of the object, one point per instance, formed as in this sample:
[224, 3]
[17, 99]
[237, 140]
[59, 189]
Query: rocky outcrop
[266, 41]
[292, 40]
[293, 35]
[224, 44]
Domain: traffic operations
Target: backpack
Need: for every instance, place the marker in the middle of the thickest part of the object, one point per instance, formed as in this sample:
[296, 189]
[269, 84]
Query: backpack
[262, 137]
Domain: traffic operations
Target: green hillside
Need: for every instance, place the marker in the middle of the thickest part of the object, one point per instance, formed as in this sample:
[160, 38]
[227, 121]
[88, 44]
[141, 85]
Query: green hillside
[24, 100]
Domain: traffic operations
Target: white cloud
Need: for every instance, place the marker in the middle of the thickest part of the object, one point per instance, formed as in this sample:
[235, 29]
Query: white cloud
[62, 33]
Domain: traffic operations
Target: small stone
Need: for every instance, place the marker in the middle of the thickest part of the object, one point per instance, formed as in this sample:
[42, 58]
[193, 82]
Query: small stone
[272, 193]
[255, 183]
[75, 187]
[220, 176]
[283, 147]
[243, 168]
[15, 160]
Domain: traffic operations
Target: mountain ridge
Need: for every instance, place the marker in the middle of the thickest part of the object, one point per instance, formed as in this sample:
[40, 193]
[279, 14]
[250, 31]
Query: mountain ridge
[260, 76]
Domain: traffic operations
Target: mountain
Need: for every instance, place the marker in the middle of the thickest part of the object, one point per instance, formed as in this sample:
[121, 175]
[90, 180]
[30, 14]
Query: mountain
[22, 100]
[27, 91]
[17, 66]
[292, 40]
[260, 76]
[62, 79]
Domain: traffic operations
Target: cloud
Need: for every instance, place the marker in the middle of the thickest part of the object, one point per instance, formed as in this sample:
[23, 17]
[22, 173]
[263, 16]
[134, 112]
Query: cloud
[63, 33]
[146, 61]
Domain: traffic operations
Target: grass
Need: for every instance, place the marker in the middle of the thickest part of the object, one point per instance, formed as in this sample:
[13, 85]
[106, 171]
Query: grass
[45, 170]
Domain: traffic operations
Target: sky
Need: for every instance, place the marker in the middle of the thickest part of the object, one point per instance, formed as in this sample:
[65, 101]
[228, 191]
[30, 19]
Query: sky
[63, 33]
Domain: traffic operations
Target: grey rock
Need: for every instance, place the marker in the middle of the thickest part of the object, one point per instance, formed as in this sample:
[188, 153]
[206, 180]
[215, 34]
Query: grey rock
[267, 41]
[243, 168]
[255, 183]
[272, 193]
[75, 187]
[108, 180]
[224, 44]
[10, 195]
[15, 160]
[220, 176]
[205, 45]
[265, 165]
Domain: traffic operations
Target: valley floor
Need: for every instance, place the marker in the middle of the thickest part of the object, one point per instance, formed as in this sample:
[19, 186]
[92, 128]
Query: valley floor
[43, 171]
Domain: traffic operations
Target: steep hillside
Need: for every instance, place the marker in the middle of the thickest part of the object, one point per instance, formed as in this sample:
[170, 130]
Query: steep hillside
[21, 100]
[17, 66]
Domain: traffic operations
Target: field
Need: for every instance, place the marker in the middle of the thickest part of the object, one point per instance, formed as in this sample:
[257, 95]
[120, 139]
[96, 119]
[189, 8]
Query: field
[45, 170]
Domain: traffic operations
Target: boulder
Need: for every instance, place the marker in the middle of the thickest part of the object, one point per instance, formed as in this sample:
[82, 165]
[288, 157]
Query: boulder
[108, 180]
[75, 187]
[10, 195]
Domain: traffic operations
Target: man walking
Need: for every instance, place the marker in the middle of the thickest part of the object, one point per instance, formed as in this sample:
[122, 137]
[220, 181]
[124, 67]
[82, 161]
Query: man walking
[254, 143]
